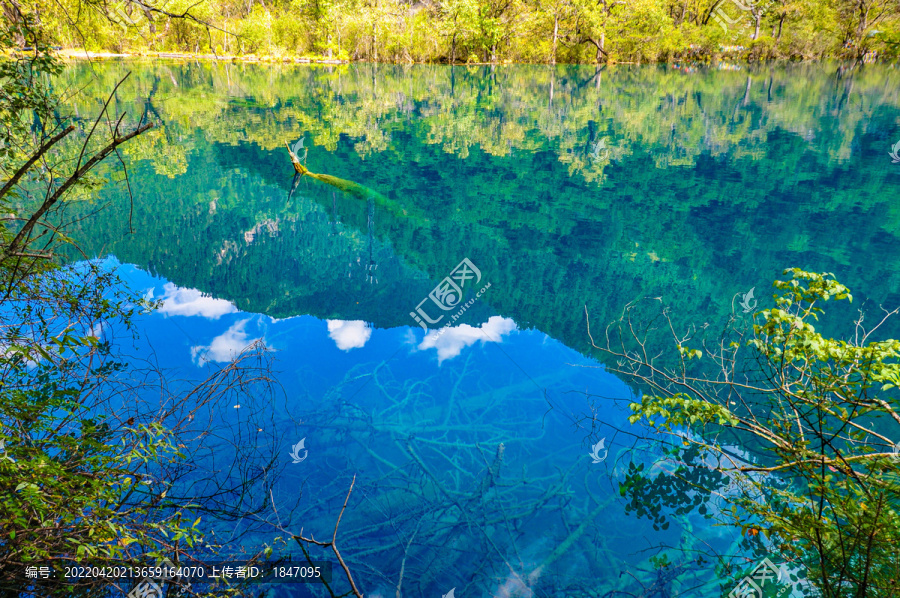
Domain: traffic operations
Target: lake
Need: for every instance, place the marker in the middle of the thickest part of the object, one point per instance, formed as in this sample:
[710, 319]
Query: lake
[507, 202]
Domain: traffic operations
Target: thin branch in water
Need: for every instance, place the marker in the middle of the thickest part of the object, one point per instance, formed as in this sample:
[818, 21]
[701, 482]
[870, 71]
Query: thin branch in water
[333, 543]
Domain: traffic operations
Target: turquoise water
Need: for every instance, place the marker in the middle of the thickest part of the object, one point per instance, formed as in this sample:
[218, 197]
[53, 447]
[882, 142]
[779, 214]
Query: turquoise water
[569, 190]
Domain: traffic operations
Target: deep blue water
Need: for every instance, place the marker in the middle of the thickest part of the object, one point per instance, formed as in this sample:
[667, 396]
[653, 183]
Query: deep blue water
[357, 395]
[572, 191]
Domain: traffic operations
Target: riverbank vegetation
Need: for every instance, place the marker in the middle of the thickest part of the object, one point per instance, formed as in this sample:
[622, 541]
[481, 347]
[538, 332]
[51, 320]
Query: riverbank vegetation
[95, 444]
[792, 433]
[480, 31]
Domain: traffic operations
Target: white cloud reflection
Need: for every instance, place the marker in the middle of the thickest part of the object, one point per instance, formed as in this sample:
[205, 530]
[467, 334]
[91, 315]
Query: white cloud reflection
[349, 334]
[449, 342]
[191, 302]
[226, 346]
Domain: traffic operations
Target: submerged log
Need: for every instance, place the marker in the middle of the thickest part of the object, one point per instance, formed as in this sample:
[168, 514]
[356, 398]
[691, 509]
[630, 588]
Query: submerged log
[354, 189]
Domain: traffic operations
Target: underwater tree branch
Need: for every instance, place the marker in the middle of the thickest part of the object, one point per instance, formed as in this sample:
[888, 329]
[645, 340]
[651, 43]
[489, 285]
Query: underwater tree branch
[333, 544]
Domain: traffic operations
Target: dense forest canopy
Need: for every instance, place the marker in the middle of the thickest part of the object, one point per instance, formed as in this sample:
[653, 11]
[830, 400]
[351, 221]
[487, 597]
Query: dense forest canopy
[480, 31]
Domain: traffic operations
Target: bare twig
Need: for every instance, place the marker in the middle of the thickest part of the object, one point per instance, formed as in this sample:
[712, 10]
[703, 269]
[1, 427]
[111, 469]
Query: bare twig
[34, 158]
[75, 177]
[333, 543]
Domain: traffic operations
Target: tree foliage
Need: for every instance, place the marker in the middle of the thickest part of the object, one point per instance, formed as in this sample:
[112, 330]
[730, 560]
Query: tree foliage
[816, 482]
[480, 30]
[95, 446]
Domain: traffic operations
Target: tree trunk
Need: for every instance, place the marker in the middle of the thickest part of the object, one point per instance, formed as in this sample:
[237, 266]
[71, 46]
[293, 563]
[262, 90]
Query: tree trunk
[780, 24]
[599, 46]
[757, 17]
[552, 81]
[453, 49]
[375, 42]
[149, 16]
[863, 20]
[555, 38]
[12, 16]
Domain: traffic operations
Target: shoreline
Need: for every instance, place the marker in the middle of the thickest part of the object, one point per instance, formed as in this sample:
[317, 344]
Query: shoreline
[89, 55]
[728, 57]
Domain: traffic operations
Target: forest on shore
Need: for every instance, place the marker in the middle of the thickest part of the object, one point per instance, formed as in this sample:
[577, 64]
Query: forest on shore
[478, 31]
